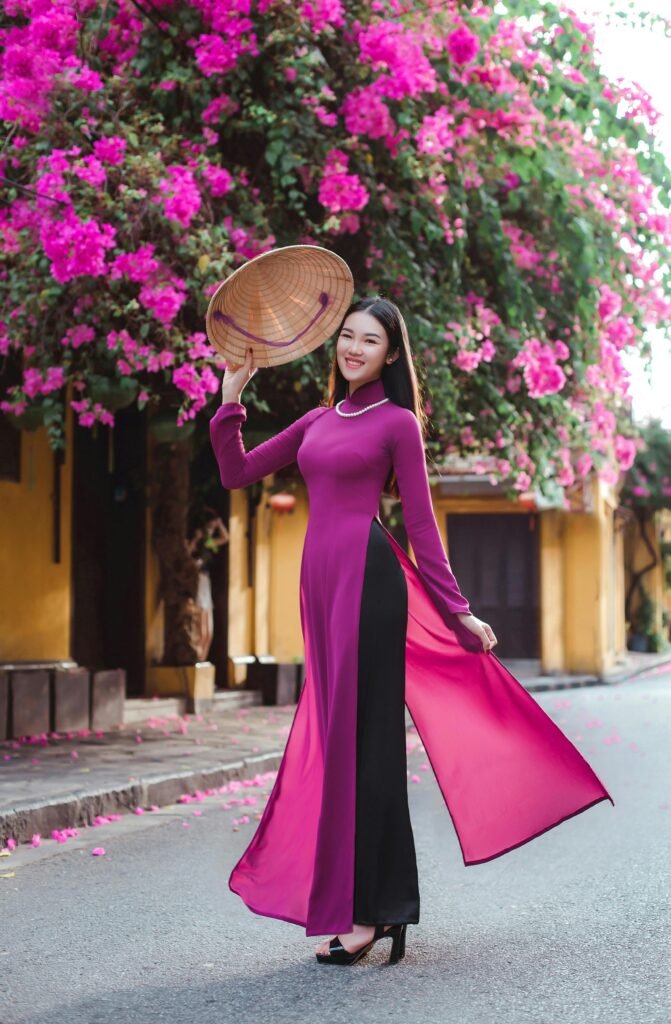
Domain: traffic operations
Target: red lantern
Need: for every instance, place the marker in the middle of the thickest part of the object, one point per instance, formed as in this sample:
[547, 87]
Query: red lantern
[282, 502]
[528, 501]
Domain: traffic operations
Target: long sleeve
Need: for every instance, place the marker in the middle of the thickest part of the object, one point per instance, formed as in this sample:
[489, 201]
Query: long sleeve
[409, 463]
[239, 468]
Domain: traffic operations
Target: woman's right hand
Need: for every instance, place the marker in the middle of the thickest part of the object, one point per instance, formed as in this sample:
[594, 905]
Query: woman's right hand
[235, 378]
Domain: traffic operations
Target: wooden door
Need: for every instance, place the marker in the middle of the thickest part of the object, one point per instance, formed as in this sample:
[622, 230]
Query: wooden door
[495, 560]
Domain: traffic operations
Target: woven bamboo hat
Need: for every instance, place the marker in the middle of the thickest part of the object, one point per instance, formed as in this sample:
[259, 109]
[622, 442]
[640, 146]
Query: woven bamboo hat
[282, 304]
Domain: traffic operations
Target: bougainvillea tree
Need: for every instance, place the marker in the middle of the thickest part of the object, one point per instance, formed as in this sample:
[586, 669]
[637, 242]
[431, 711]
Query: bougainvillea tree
[468, 158]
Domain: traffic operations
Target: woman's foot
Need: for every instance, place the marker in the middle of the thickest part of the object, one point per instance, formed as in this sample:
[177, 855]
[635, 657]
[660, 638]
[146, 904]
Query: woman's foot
[351, 941]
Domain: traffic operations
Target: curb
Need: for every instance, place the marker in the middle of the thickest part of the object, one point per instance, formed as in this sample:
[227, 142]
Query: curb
[80, 809]
[572, 683]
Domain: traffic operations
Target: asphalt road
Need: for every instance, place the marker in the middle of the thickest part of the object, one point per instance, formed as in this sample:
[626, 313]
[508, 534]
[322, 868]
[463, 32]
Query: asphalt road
[572, 928]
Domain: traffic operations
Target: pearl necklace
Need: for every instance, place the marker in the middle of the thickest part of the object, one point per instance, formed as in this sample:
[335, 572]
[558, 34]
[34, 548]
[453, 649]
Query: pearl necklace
[359, 411]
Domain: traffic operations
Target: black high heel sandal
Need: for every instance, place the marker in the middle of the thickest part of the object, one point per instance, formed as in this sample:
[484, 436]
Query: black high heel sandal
[339, 955]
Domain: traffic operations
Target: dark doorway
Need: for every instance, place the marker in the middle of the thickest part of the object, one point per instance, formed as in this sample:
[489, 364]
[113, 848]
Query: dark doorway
[495, 560]
[108, 547]
[210, 498]
[219, 577]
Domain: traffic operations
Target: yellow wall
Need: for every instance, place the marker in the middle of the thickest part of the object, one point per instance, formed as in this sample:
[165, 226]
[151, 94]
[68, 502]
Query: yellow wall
[262, 576]
[593, 595]
[552, 628]
[35, 603]
[287, 536]
[240, 596]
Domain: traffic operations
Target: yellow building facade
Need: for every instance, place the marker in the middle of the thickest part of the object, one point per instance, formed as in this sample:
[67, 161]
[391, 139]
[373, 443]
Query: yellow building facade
[581, 571]
[580, 565]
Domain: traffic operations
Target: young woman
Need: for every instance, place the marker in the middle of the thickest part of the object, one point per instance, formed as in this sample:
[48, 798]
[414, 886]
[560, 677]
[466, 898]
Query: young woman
[334, 849]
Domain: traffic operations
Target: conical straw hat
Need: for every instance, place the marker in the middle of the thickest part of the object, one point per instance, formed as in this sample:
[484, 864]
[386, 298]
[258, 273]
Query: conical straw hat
[283, 304]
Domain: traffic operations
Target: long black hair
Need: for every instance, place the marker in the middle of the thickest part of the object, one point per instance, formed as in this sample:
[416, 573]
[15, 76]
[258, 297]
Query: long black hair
[399, 378]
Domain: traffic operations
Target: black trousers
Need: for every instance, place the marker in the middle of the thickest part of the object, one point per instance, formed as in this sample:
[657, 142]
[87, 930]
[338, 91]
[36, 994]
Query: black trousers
[386, 889]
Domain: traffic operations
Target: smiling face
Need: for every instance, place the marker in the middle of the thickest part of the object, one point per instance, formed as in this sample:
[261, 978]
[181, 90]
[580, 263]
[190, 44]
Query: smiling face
[362, 349]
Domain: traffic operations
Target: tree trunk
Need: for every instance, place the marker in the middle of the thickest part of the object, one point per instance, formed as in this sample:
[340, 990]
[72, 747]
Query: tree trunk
[178, 583]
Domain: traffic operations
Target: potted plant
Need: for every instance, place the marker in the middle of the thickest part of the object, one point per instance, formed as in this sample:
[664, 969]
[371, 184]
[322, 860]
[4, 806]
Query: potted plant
[113, 393]
[30, 419]
[164, 427]
[644, 635]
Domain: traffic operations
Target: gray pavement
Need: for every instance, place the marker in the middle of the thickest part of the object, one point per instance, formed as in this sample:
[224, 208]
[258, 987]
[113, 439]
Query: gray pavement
[572, 927]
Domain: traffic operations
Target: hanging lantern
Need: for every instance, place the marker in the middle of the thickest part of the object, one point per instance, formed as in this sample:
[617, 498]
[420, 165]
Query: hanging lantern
[282, 502]
[528, 501]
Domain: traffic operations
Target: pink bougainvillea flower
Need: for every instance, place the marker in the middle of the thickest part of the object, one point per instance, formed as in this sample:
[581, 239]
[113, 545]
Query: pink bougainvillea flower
[366, 113]
[164, 301]
[98, 851]
[462, 45]
[399, 50]
[77, 336]
[181, 198]
[436, 134]
[610, 303]
[542, 374]
[74, 247]
[110, 150]
[320, 14]
[218, 179]
[339, 190]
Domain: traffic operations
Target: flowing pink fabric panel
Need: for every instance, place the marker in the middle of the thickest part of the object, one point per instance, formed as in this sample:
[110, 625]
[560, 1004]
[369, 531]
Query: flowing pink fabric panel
[506, 771]
[274, 874]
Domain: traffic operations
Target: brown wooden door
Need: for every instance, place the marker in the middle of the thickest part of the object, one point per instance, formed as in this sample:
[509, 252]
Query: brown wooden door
[495, 560]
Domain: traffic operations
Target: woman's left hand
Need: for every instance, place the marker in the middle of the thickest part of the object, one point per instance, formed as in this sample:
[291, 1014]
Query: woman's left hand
[481, 629]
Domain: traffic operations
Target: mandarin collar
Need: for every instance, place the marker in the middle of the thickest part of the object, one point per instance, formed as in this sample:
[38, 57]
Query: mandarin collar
[365, 394]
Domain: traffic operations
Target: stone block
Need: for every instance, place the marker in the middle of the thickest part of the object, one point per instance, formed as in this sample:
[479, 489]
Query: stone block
[30, 704]
[108, 692]
[276, 680]
[72, 699]
[286, 683]
[300, 678]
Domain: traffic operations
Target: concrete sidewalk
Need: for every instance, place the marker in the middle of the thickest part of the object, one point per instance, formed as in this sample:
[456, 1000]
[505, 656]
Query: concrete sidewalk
[65, 781]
